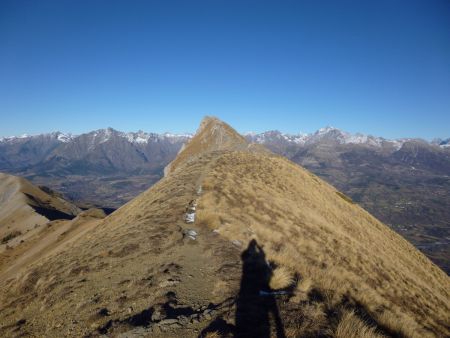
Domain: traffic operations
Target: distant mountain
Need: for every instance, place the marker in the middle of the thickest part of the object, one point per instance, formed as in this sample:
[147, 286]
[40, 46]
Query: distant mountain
[22, 151]
[335, 136]
[442, 143]
[104, 150]
[111, 151]
[104, 165]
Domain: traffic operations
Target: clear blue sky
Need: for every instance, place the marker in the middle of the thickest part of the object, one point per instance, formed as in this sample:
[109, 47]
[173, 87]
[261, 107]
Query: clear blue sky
[380, 67]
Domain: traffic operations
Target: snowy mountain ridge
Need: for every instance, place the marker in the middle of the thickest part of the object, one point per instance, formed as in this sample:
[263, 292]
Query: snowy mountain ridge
[327, 134]
[335, 135]
[100, 136]
[57, 135]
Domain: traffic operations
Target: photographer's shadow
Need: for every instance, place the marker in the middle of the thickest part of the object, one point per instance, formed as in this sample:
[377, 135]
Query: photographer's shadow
[256, 305]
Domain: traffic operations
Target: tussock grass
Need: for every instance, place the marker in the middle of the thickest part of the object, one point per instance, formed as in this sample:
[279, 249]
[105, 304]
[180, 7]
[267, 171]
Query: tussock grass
[208, 218]
[402, 324]
[313, 322]
[281, 278]
[351, 326]
[305, 285]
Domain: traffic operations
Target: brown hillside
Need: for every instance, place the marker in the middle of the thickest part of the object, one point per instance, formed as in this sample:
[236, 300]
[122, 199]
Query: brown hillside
[212, 135]
[276, 252]
[23, 207]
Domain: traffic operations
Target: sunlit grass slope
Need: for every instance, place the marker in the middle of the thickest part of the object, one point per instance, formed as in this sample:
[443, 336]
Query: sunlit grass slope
[331, 244]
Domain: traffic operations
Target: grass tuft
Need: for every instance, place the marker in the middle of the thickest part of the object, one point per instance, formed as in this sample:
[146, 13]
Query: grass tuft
[351, 326]
[10, 236]
[208, 218]
[281, 278]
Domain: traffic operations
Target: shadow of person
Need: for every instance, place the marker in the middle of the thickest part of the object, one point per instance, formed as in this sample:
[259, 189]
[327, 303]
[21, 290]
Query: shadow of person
[256, 307]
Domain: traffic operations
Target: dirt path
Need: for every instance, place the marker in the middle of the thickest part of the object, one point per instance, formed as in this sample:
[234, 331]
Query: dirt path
[203, 278]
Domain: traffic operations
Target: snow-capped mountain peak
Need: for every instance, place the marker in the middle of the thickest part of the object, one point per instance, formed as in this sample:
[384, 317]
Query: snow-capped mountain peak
[325, 135]
[326, 130]
[442, 143]
[65, 138]
[62, 137]
[140, 137]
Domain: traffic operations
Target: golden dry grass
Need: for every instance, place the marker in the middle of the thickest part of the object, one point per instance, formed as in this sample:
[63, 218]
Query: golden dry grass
[208, 218]
[118, 264]
[305, 285]
[212, 135]
[281, 278]
[313, 322]
[350, 326]
[18, 218]
[338, 248]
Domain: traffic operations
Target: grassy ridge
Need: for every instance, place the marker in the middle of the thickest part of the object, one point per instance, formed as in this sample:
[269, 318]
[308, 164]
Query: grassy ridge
[333, 247]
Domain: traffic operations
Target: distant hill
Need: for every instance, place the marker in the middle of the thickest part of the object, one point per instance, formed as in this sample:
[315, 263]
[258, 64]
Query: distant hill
[24, 207]
[269, 249]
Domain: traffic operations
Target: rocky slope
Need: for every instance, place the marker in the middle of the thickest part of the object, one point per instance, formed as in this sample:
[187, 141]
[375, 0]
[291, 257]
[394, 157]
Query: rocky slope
[272, 251]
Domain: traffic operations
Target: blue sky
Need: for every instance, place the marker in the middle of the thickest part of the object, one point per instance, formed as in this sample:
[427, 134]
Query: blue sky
[379, 67]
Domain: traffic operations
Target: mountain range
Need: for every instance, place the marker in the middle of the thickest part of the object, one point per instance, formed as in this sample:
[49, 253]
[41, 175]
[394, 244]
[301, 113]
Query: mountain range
[404, 182]
[100, 151]
[104, 165]
[233, 241]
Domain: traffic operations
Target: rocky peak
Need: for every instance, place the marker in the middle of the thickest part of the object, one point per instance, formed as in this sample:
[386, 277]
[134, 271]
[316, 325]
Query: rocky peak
[212, 135]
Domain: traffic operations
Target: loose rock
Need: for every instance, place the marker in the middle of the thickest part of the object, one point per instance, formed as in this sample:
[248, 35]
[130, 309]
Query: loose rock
[168, 322]
[236, 242]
